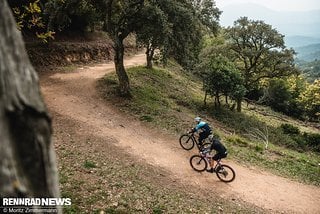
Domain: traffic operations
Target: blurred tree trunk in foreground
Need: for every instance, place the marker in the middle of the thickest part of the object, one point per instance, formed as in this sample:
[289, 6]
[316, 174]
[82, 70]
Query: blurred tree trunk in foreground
[27, 159]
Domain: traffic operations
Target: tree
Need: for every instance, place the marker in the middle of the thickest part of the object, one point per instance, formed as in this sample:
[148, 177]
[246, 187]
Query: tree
[72, 15]
[278, 95]
[220, 77]
[154, 35]
[163, 28]
[297, 85]
[208, 14]
[27, 160]
[259, 51]
[190, 20]
[216, 51]
[119, 23]
[310, 99]
[29, 17]
[158, 24]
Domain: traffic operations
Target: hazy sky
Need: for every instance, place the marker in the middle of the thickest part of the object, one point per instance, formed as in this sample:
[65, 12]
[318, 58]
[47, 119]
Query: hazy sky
[280, 5]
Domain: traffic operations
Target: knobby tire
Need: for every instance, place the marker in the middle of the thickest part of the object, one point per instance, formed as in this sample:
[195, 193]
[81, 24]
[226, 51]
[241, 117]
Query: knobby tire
[198, 163]
[226, 173]
[186, 142]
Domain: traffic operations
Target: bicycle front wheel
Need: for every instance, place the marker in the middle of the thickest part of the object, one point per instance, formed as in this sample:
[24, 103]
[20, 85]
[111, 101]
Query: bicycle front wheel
[186, 142]
[198, 163]
[225, 173]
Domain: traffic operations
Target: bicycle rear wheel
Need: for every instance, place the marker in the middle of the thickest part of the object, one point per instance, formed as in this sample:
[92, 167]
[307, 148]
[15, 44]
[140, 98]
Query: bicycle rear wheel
[225, 173]
[186, 142]
[198, 163]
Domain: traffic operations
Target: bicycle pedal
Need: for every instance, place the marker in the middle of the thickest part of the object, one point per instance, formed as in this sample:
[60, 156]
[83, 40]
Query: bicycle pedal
[210, 170]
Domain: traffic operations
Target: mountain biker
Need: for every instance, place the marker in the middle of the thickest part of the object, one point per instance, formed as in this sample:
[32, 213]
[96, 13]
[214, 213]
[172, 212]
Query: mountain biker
[204, 127]
[221, 152]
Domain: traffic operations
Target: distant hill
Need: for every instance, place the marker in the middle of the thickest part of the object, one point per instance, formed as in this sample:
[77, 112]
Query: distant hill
[308, 53]
[300, 26]
[308, 60]
[311, 70]
[300, 41]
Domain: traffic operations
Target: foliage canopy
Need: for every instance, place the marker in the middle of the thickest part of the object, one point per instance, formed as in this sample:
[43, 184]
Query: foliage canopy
[259, 51]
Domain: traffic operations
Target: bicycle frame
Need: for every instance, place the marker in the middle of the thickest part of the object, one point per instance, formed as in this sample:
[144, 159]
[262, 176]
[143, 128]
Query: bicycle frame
[209, 159]
[195, 140]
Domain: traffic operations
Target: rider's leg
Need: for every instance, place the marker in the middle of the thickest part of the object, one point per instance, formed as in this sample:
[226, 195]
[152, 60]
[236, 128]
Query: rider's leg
[216, 157]
[212, 166]
[201, 137]
[211, 163]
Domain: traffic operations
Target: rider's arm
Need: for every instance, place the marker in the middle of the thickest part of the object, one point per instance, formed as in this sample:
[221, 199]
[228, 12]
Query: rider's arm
[194, 129]
[199, 126]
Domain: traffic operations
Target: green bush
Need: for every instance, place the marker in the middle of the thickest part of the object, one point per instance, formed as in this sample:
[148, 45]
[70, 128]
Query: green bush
[89, 164]
[278, 95]
[147, 118]
[259, 148]
[237, 141]
[289, 129]
[312, 140]
[301, 141]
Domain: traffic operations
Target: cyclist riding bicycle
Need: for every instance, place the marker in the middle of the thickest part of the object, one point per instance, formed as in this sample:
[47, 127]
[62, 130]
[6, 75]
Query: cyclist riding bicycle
[204, 127]
[221, 152]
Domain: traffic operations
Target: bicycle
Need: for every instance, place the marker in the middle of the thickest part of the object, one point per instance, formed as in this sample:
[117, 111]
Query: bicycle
[188, 140]
[200, 163]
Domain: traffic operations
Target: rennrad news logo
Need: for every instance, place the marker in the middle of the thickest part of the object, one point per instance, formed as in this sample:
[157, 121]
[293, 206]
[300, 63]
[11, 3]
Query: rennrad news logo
[42, 202]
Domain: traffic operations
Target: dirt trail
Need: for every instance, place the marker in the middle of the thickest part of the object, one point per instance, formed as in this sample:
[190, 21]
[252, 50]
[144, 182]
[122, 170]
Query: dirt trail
[73, 95]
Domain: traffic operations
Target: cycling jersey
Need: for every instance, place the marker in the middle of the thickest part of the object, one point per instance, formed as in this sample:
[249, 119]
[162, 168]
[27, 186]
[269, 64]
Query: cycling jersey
[205, 131]
[217, 145]
[203, 126]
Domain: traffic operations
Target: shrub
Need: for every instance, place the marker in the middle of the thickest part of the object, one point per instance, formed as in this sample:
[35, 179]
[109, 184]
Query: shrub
[88, 164]
[237, 141]
[289, 129]
[299, 141]
[259, 148]
[312, 140]
[147, 118]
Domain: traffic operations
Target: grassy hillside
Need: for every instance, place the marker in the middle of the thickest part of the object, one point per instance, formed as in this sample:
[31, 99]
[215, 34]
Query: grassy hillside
[170, 99]
[159, 96]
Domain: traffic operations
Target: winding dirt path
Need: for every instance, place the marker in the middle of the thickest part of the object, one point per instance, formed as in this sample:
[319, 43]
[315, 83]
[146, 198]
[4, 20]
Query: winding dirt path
[73, 95]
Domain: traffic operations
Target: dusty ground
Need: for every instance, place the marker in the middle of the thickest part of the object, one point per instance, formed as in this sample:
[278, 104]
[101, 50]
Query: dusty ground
[73, 95]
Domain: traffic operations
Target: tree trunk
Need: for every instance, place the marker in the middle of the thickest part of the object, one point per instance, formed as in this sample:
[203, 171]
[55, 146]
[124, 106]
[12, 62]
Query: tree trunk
[27, 163]
[205, 98]
[149, 54]
[124, 86]
[239, 102]
[218, 99]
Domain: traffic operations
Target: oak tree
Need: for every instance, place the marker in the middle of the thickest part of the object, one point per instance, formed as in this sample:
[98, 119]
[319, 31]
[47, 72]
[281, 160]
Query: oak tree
[120, 21]
[259, 51]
